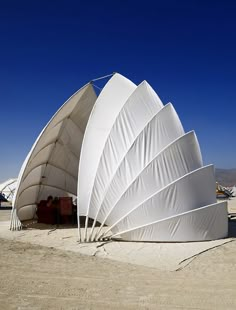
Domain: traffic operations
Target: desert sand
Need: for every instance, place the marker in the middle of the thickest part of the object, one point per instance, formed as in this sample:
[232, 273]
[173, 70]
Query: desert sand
[44, 268]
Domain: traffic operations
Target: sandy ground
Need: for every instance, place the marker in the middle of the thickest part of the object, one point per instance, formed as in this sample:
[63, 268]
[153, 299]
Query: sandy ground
[161, 256]
[37, 277]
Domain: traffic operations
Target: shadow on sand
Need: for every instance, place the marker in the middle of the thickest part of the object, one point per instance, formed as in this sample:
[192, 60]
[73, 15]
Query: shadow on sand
[33, 224]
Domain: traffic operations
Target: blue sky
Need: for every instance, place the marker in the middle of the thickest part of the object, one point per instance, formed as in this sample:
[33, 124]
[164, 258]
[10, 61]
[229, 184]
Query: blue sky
[185, 49]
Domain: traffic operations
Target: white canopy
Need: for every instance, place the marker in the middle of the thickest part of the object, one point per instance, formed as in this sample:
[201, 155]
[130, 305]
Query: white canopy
[138, 172]
[51, 167]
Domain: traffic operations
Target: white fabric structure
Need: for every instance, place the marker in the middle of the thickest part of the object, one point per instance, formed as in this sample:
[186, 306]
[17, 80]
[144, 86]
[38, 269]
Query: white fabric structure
[8, 188]
[140, 176]
[233, 189]
[51, 167]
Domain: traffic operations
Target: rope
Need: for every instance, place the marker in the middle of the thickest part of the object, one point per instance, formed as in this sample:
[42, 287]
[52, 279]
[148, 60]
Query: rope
[103, 77]
[97, 87]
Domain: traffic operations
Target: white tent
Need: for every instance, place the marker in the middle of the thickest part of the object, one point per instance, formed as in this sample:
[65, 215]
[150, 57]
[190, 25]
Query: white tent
[139, 174]
[51, 167]
[8, 188]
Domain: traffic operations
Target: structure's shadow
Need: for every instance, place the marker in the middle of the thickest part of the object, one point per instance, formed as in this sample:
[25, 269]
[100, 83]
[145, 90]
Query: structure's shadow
[90, 222]
[42, 226]
[33, 224]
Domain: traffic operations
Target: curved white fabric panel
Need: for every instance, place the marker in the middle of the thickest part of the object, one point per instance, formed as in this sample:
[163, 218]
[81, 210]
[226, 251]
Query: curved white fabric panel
[51, 167]
[178, 158]
[194, 190]
[27, 212]
[137, 112]
[105, 111]
[206, 223]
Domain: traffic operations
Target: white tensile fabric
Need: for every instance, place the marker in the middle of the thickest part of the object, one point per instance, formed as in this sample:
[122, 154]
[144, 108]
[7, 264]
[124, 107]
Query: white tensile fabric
[126, 175]
[140, 176]
[157, 174]
[184, 194]
[161, 171]
[137, 112]
[156, 135]
[8, 188]
[105, 111]
[206, 223]
[51, 167]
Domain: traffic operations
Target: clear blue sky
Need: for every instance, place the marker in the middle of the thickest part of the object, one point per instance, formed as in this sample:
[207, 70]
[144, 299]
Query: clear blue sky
[185, 49]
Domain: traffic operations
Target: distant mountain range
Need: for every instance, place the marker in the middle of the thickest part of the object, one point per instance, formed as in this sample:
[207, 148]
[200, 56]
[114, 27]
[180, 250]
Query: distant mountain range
[226, 177]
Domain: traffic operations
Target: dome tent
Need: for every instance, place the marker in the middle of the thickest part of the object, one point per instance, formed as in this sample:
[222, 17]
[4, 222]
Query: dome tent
[139, 174]
[8, 188]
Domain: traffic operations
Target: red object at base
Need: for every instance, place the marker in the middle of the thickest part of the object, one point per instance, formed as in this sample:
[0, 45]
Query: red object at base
[46, 215]
[66, 209]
